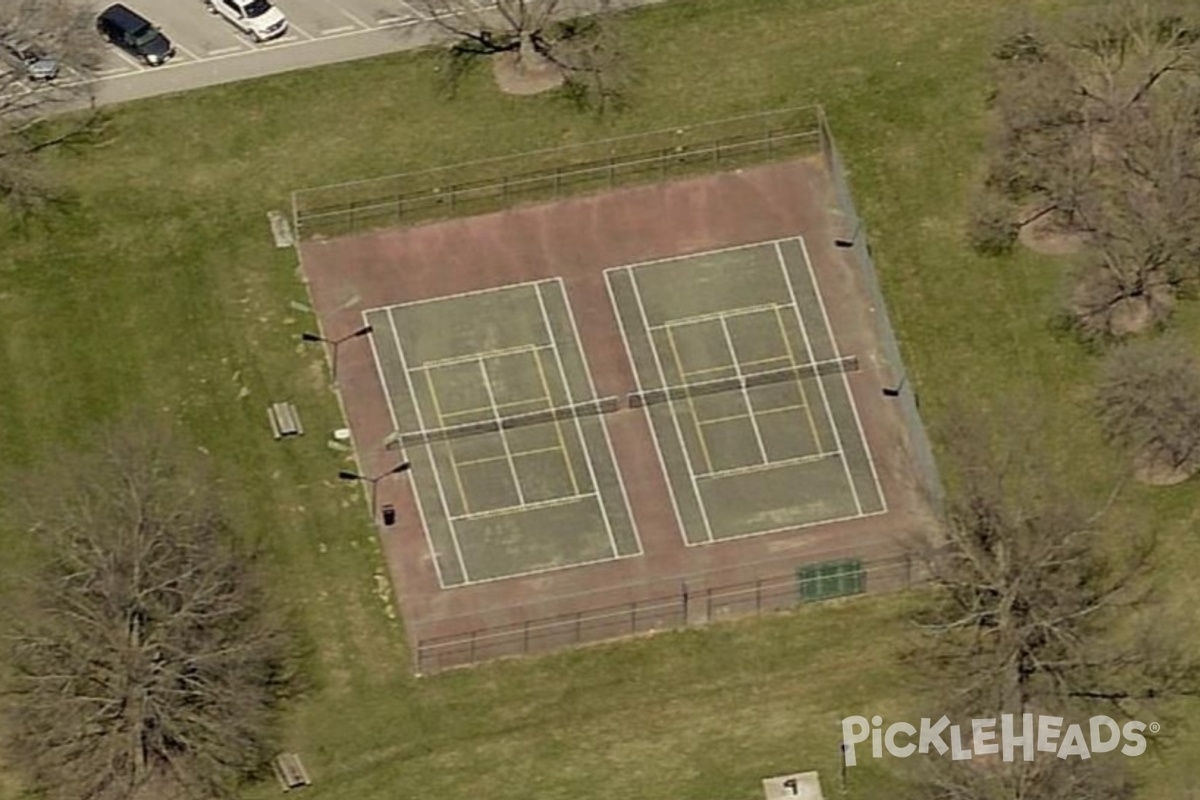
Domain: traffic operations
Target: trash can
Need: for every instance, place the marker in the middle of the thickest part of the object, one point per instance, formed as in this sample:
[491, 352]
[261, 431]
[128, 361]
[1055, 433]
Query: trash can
[389, 515]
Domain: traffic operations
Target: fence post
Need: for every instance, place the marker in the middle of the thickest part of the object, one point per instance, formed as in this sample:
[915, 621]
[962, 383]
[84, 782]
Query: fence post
[717, 153]
[525, 639]
[578, 627]
[611, 172]
[684, 589]
[708, 605]
[557, 180]
[758, 596]
[472, 652]
[633, 617]
[453, 195]
[770, 143]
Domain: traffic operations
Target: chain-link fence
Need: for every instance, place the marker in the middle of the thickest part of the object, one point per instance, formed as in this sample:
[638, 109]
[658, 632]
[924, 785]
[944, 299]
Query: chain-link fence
[490, 185]
[678, 606]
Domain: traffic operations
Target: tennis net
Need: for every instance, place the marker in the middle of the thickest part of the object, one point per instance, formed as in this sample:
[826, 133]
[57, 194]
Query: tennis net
[588, 408]
[832, 366]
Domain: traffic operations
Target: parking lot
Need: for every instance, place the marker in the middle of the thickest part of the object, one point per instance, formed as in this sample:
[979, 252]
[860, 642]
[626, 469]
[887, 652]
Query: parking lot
[200, 35]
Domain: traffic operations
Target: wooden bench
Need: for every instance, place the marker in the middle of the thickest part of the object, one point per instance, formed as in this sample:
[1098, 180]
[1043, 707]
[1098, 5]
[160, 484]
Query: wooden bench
[290, 771]
[285, 420]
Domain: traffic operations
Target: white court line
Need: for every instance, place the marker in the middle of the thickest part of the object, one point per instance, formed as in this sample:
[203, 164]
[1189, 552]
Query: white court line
[671, 403]
[508, 287]
[713, 252]
[383, 385]
[637, 381]
[501, 353]
[587, 454]
[845, 379]
[837, 436]
[801, 526]
[524, 507]
[785, 462]
[512, 466]
[437, 477]
[737, 369]
[737, 312]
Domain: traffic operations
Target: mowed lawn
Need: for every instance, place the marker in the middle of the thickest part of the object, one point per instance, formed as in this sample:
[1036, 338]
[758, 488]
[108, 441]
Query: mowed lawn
[161, 289]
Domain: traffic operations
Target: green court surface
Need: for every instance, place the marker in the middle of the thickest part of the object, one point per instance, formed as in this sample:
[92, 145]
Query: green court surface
[753, 414]
[499, 499]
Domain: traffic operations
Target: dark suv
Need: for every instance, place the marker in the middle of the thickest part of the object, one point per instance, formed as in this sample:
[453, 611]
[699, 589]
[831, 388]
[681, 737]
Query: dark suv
[134, 33]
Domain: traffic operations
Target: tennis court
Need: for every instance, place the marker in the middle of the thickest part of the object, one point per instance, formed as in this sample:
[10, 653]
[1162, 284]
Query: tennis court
[495, 407]
[746, 393]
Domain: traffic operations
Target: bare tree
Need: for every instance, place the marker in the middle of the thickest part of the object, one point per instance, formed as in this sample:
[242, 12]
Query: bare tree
[545, 42]
[1034, 601]
[145, 664]
[62, 30]
[1097, 131]
[1149, 402]
[1046, 778]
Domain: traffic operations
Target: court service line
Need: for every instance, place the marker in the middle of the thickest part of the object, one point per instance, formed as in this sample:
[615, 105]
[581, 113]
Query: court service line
[744, 311]
[437, 477]
[534, 452]
[683, 374]
[845, 379]
[512, 466]
[525, 507]
[464, 359]
[713, 252]
[783, 334]
[783, 462]
[441, 419]
[383, 385]
[562, 373]
[837, 436]
[508, 287]
[737, 367]
[662, 375]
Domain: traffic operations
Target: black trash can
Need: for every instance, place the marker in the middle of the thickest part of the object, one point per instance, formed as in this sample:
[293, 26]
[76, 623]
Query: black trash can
[389, 515]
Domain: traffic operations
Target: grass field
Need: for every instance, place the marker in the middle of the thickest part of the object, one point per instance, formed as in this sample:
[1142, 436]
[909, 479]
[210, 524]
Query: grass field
[162, 287]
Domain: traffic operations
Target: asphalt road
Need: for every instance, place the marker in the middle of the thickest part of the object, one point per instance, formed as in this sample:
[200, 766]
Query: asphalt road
[211, 51]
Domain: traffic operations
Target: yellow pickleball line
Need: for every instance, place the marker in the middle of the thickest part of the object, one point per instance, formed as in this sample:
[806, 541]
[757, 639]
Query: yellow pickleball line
[691, 404]
[562, 443]
[437, 409]
[812, 425]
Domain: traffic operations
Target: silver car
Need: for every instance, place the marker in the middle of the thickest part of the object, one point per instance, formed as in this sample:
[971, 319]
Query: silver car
[37, 65]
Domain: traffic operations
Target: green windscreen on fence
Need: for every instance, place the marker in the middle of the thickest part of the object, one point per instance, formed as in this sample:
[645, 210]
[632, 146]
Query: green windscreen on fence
[831, 579]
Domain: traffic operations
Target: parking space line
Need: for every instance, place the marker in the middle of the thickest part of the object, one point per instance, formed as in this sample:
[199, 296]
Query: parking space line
[340, 29]
[293, 27]
[353, 18]
[416, 11]
[133, 62]
[187, 52]
[220, 51]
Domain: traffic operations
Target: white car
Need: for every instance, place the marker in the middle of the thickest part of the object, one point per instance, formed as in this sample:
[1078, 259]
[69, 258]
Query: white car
[258, 18]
